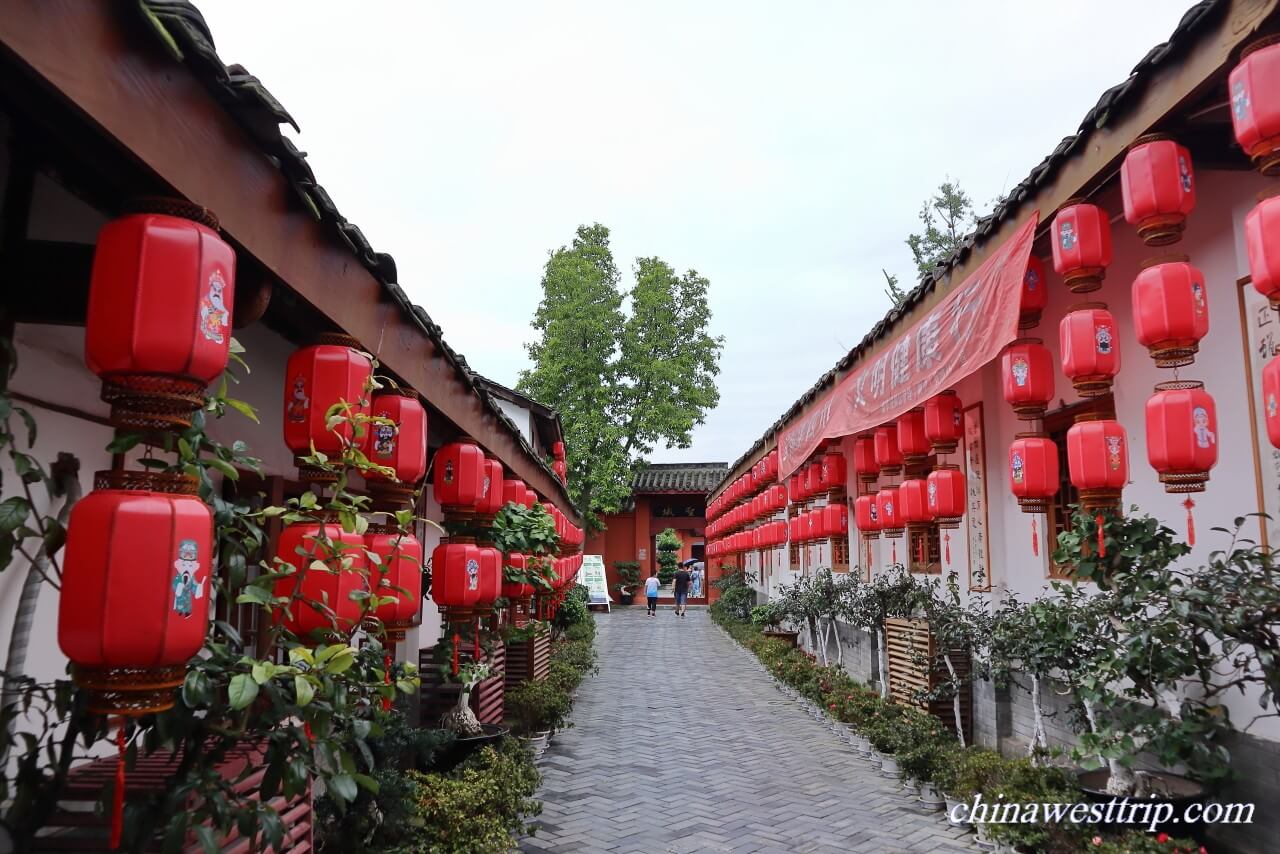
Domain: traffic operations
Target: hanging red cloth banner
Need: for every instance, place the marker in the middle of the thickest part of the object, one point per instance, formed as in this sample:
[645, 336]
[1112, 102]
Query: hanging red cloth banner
[963, 332]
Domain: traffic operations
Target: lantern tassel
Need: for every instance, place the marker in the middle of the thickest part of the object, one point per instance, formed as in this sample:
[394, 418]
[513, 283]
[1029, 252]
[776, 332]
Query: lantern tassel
[1035, 537]
[457, 639]
[1102, 542]
[386, 701]
[920, 550]
[117, 801]
[1191, 521]
[895, 553]
[946, 553]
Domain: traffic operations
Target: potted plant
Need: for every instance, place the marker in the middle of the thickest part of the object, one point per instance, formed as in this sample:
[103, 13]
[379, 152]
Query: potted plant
[628, 581]
[769, 618]
[966, 773]
[668, 546]
[469, 734]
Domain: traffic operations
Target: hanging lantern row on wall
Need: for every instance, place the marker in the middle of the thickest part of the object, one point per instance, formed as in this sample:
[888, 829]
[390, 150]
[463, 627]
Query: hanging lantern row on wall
[761, 475]
[559, 464]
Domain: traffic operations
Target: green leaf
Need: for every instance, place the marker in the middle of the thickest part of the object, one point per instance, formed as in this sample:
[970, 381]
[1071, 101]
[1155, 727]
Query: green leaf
[208, 841]
[344, 787]
[195, 689]
[13, 513]
[341, 662]
[242, 691]
[303, 688]
[263, 671]
[252, 595]
[366, 782]
[244, 409]
[361, 728]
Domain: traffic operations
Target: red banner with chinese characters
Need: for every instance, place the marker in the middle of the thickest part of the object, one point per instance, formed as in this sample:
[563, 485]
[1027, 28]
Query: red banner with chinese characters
[957, 337]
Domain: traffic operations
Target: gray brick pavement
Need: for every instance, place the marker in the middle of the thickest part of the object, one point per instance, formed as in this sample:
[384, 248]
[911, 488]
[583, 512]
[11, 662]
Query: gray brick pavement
[682, 745]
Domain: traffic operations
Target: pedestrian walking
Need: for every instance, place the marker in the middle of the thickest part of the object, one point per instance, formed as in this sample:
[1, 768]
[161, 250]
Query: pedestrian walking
[697, 580]
[651, 592]
[681, 588]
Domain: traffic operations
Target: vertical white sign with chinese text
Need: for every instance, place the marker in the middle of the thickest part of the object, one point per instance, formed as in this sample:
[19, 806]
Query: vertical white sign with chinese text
[975, 516]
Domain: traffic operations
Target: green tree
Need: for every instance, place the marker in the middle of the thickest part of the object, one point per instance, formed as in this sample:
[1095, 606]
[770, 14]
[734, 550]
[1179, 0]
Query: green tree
[622, 382]
[893, 290]
[946, 217]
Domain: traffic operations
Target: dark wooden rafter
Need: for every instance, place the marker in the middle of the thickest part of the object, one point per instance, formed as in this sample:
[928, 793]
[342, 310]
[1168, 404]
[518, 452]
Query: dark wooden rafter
[167, 129]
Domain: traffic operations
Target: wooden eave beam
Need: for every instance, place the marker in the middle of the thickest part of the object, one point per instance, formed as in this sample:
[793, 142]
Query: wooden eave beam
[152, 107]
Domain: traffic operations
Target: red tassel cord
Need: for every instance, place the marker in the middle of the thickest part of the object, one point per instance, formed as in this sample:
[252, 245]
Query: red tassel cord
[1191, 521]
[117, 803]
[386, 701]
[306, 730]
[946, 548]
[894, 559]
[1035, 538]
[921, 555]
[457, 640]
[1102, 534]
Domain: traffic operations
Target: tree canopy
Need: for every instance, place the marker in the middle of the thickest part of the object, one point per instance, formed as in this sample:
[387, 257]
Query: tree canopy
[946, 216]
[626, 371]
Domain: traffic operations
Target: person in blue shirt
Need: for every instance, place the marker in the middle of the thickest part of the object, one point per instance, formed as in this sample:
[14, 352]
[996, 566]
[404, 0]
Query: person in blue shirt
[651, 593]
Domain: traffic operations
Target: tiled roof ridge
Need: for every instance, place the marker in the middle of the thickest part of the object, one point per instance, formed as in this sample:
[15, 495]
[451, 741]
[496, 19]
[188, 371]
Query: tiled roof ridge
[1108, 105]
[180, 27]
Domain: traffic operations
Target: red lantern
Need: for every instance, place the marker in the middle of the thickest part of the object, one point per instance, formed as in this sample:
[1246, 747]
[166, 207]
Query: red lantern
[557, 450]
[812, 479]
[490, 586]
[1255, 109]
[323, 600]
[912, 441]
[493, 497]
[530, 498]
[401, 445]
[158, 328]
[1098, 460]
[1182, 435]
[1081, 240]
[835, 520]
[864, 458]
[888, 456]
[1033, 472]
[1262, 241]
[455, 577]
[1035, 294]
[888, 511]
[796, 527]
[943, 424]
[1271, 400]
[1158, 191]
[945, 491]
[1170, 312]
[1090, 346]
[317, 378]
[135, 589]
[458, 478]
[561, 469]
[513, 491]
[866, 516]
[1027, 370]
[913, 503]
[398, 574]
[831, 472]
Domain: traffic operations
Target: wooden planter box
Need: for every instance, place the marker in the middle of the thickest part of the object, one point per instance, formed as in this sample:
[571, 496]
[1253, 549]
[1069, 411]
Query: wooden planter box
[438, 696]
[75, 827]
[907, 641]
[528, 661]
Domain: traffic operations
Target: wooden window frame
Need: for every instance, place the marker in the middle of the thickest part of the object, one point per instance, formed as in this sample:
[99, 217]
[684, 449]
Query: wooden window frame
[1056, 425]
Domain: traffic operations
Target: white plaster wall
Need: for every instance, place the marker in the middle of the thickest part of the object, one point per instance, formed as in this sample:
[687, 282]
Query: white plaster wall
[520, 416]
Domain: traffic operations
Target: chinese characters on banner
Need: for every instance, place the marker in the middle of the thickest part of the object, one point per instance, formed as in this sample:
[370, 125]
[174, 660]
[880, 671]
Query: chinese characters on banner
[975, 515]
[963, 332]
[1262, 342]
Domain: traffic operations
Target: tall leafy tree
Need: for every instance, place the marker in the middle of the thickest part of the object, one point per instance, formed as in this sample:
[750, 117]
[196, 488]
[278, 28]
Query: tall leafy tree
[623, 381]
[947, 216]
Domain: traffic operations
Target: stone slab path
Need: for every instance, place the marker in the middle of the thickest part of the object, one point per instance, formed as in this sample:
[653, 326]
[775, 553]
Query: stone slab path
[681, 744]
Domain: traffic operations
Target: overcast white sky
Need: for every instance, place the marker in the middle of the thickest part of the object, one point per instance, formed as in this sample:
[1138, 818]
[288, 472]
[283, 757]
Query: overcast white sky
[782, 149]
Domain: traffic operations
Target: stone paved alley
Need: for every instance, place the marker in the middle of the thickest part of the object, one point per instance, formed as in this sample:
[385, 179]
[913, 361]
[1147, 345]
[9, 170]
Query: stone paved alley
[681, 744]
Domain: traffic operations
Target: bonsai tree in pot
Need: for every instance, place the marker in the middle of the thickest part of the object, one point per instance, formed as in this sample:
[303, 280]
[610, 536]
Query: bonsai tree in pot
[460, 720]
[668, 555]
[628, 580]
[896, 594]
[961, 632]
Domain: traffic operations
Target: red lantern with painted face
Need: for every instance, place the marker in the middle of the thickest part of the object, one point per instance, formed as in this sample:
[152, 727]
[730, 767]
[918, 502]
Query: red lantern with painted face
[1033, 472]
[945, 492]
[323, 602]
[1035, 294]
[1098, 462]
[158, 328]
[397, 574]
[831, 472]
[1081, 240]
[317, 378]
[459, 477]
[1262, 242]
[1170, 311]
[401, 445]
[887, 509]
[1255, 105]
[1158, 189]
[1182, 435]
[943, 422]
[1090, 344]
[1026, 368]
[866, 516]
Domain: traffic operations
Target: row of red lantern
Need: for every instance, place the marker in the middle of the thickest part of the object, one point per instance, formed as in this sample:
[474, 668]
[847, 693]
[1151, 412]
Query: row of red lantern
[762, 474]
[824, 476]
[571, 536]
[937, 499]
[822, 523]
[559, 464]
[766, 504]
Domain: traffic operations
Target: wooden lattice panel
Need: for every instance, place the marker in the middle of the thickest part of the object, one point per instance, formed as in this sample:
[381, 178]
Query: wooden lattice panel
[910, 648]
[839, 554]
[528, 660]
[438, 696]
[74, 826]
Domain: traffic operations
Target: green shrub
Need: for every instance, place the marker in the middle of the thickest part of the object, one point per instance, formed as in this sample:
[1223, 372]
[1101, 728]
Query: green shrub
[476, 809]
[668, 545]
[735, 601]
[537, 705]
[1137, 842]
